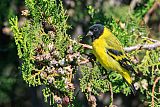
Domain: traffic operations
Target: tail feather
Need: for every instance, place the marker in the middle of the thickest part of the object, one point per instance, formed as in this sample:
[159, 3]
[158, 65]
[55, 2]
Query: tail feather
[133, 89]
[127, 77]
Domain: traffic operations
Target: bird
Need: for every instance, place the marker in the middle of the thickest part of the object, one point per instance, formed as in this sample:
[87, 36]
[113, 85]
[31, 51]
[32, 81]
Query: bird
[110, 53]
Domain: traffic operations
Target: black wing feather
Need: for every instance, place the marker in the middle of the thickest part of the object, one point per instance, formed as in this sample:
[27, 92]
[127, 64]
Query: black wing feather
[124, 62]
[115, 52]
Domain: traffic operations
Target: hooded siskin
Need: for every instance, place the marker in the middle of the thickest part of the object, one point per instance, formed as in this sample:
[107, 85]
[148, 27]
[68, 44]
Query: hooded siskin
[109, 52]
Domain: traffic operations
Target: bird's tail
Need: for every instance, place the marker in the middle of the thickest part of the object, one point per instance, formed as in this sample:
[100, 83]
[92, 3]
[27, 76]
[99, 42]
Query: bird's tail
[126, 74]
[133, 89]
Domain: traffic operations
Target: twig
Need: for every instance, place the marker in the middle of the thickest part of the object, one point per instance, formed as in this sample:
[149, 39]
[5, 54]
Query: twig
[36, 74]
[86, 46]
[152, 40]
[133, 4]
[154, 85]
[133, 48]
[151, 10]
[92, 101]
[83, 61]
[140, 47]
[110, 86]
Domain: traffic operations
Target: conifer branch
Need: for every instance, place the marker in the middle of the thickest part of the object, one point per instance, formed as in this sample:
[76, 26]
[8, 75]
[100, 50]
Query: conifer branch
[136, 47]
[140, 47]
[151, 10]
[111, 91]
[153, 88]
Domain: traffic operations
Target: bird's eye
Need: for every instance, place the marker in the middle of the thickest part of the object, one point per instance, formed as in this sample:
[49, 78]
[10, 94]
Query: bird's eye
[95, 29]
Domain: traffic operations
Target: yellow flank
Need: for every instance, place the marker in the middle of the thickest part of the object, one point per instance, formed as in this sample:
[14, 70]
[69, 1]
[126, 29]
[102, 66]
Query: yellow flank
[108, 41]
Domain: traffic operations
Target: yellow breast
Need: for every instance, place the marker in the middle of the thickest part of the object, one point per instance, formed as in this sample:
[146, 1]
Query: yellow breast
[100, 51]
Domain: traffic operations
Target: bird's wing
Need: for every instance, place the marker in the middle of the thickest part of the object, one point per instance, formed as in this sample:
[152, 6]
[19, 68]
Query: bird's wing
[116, 51]
[121, 58]
[113, 43]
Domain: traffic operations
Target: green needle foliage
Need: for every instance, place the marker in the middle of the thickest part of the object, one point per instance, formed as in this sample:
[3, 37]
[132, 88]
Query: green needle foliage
[43, 45]
[51, 59]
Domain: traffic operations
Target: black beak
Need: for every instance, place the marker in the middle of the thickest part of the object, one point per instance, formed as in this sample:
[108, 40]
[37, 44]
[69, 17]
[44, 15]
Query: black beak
[90, 33]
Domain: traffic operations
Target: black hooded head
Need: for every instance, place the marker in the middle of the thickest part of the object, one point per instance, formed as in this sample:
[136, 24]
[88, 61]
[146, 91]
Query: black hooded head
[95, 31]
